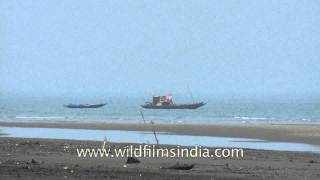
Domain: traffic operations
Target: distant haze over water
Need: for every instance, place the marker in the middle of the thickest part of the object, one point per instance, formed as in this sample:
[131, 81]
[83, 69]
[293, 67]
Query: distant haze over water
[222, 48]
[251, 61]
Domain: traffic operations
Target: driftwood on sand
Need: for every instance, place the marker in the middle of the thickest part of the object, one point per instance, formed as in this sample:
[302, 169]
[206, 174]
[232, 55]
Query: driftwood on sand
[178, 166]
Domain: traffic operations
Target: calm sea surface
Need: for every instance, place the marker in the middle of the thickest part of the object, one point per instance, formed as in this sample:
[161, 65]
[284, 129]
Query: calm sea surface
[126, 109]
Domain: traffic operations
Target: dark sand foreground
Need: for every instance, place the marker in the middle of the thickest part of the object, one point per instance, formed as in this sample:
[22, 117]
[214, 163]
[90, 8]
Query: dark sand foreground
[57, 159]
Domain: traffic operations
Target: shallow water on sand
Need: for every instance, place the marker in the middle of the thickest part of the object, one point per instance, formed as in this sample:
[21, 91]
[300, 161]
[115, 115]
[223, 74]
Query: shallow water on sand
[148, 137]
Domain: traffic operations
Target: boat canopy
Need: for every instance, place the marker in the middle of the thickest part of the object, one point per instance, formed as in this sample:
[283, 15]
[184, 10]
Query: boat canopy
[162, 100]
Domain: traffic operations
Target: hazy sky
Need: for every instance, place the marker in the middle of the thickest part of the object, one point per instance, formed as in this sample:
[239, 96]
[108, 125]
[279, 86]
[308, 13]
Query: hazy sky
[216, 47]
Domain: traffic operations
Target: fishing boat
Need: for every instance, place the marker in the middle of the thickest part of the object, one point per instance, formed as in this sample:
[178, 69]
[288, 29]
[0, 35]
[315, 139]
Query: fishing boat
[166, 102]
[83, 106]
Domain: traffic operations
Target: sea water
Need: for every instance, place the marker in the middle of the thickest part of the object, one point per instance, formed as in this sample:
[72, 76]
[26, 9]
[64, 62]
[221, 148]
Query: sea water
[127, 110]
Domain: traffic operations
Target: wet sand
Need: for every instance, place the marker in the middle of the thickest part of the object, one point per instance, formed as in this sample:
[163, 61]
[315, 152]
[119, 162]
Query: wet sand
[308, 134]
[57, 159]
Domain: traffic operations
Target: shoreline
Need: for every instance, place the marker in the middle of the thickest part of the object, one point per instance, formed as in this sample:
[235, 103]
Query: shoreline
[305, 134]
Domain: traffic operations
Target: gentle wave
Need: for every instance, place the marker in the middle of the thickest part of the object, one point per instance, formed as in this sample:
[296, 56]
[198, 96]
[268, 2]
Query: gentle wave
[253, 118]
[40, 117]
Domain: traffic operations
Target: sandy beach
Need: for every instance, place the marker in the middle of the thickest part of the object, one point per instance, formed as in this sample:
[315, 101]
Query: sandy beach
[52, 160]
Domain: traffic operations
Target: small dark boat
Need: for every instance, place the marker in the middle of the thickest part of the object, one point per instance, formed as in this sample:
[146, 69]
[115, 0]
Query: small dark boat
[166, 102]
[83, 106]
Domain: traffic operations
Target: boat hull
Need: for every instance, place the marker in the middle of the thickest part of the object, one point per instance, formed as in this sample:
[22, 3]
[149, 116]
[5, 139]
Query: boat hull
[84, 106]
[175, 106]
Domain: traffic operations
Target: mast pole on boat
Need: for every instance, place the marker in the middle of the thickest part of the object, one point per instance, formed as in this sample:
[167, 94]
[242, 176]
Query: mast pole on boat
[190, 93]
